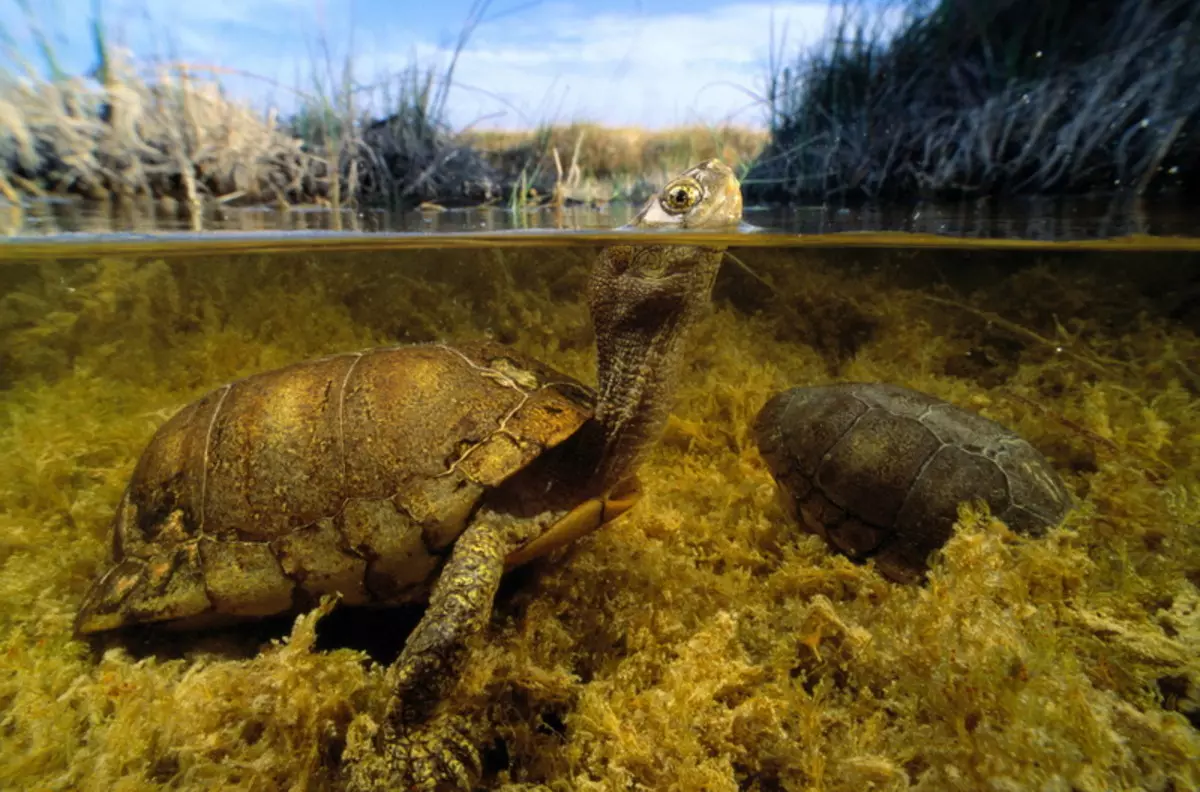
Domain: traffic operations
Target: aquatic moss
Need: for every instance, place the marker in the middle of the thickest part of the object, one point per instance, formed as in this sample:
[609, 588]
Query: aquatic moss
[701, 642]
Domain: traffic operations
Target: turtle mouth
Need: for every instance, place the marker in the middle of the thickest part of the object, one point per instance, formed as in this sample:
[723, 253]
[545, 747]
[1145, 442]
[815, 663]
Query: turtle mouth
[579, 522]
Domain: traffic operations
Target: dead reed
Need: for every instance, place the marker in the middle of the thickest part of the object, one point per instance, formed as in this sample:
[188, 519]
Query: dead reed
[589, 162]
[171, 135]
[177, 135]
[612, 152]
[170, 132]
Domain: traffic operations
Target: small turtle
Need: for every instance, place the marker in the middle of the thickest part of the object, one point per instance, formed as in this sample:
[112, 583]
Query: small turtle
[412, 473]
[878, 471]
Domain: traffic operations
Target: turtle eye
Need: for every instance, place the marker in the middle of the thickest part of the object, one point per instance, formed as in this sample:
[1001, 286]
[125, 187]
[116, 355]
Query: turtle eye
[680, 196]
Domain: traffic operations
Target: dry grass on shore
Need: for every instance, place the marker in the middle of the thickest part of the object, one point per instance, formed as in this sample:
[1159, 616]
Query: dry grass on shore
[170, 136]
[588, 162]
[176, 137]
[613, 152]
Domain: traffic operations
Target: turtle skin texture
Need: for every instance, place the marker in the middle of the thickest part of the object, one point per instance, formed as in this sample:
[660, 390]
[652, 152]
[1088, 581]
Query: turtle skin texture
[879, 471]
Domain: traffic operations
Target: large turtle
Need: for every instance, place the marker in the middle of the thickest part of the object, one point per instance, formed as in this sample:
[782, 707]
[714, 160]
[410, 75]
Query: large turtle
[411, 472]
[879, 471]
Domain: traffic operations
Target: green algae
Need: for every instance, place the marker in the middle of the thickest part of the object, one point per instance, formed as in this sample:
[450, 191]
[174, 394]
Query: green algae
[700, 642]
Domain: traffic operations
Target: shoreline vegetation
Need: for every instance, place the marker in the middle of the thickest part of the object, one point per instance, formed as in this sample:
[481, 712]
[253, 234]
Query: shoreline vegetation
[990, 99]
[178, 139]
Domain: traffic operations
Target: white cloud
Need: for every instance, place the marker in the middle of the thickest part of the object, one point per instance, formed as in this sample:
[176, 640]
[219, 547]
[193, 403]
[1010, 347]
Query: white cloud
[553, 62]
[653, 69]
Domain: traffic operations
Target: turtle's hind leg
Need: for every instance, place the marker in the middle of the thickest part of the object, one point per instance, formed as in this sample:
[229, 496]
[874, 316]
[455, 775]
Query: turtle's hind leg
[159, 588]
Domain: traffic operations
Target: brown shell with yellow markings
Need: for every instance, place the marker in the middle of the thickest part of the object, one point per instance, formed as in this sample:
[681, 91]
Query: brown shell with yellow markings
[353, 473]
[879, 471]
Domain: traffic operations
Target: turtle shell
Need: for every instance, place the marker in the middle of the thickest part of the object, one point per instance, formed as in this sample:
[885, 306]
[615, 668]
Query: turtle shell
[879, 470]
[353, 473]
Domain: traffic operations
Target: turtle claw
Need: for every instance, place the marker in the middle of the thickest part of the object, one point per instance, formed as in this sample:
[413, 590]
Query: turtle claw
[434, 757]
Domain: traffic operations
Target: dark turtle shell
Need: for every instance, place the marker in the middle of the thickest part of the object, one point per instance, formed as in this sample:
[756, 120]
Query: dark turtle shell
[879, 470]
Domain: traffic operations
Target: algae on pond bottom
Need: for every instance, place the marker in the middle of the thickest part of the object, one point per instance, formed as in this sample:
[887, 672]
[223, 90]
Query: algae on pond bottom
[700, 642]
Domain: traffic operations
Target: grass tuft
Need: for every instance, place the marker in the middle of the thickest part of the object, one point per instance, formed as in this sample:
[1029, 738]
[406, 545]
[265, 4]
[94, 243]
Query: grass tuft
[170, 132]
[170, 135]
[994, 98]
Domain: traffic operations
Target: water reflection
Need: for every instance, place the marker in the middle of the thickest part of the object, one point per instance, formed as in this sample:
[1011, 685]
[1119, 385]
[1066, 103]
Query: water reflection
[1031, 219]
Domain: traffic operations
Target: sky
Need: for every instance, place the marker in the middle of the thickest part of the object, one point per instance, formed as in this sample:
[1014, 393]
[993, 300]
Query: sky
[650, 63]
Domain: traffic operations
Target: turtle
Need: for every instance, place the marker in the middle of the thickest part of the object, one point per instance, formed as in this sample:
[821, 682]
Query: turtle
[878, 471]
[416, 473]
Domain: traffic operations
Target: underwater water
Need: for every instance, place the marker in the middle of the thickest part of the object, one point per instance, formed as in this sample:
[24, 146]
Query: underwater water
[701, 641]
[1037, 218]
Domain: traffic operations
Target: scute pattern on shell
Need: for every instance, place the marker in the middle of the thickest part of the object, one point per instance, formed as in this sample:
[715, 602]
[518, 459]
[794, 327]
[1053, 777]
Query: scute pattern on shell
[879, 470]
[352, 473]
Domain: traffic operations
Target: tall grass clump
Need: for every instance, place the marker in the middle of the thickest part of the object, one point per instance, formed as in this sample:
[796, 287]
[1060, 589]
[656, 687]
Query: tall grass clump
[132, 130]
[389, 141]
[988, 98]
[413, 155]
[124, 135]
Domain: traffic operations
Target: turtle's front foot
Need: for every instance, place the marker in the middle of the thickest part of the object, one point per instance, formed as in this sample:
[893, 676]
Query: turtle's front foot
[437, 756]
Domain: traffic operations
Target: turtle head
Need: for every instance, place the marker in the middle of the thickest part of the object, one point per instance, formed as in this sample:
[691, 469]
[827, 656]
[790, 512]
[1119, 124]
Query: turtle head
[706, 197]
[644, 297]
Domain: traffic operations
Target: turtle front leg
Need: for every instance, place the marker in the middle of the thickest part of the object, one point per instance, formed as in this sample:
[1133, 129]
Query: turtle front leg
[414, 749]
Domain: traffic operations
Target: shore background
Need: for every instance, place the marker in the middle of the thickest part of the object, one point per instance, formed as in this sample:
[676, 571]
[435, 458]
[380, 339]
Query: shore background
[994, 99]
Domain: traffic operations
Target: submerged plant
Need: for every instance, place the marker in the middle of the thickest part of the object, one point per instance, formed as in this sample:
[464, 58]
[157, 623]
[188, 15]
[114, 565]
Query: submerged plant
[702, 641]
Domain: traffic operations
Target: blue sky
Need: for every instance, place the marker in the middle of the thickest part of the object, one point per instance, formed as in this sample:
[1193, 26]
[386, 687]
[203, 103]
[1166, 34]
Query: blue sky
[623, 62]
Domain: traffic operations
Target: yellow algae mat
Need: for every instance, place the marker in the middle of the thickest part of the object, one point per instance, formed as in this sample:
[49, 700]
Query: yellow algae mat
[701, 642]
